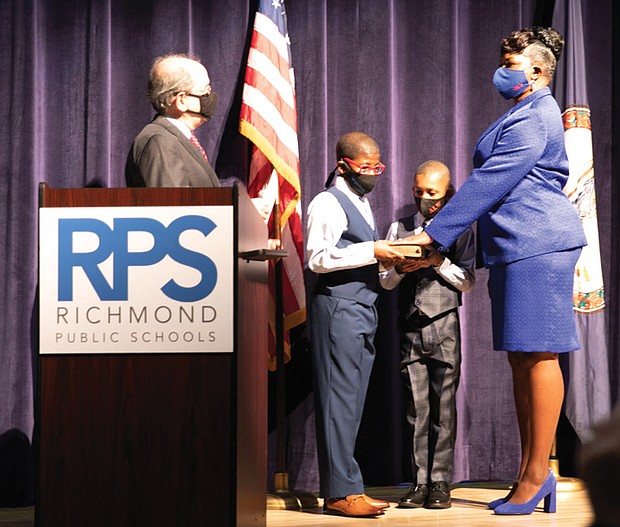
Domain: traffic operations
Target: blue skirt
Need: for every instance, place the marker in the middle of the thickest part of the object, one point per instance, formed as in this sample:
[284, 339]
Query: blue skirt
[532, 303]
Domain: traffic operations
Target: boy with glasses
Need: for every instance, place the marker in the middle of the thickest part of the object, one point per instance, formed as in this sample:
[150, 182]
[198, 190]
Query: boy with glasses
[344, 249]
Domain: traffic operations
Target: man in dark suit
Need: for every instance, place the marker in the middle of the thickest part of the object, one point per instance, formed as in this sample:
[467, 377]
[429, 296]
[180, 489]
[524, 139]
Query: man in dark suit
[166, 152]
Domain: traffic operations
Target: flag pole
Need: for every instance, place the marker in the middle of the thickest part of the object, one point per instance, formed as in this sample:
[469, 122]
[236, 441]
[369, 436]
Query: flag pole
[282, 498]
[281, 475]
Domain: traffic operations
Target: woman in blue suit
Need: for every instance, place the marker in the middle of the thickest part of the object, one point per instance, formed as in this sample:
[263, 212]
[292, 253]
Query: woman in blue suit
[531, 238]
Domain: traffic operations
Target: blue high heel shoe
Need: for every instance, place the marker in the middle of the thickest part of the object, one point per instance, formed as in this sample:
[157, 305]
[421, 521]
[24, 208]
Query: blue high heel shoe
[547, 491]
[496, 503]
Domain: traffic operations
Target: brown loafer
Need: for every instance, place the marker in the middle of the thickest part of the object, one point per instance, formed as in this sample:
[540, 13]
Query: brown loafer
[354, 505]
[378, 504]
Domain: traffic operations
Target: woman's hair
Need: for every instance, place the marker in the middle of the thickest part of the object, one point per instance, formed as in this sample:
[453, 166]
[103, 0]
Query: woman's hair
[542, 45]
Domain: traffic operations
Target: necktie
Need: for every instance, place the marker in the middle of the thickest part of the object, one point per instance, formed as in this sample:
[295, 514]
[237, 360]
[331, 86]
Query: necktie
[197, 144]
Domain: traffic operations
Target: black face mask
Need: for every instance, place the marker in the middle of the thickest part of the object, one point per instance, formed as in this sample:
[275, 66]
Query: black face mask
[360, 184]
[430, 207]
[207, 104]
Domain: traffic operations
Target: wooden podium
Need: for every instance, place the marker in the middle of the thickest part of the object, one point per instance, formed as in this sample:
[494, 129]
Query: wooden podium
[159, 439]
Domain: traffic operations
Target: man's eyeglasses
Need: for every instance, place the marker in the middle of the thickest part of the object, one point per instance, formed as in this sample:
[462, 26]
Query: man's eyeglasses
[207, 92]
[366, 170]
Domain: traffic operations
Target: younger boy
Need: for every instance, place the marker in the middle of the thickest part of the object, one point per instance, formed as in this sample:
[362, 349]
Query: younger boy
[429, 297]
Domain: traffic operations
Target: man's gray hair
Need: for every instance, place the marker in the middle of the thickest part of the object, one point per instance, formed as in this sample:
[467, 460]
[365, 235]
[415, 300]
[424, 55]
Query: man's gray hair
[168, 77]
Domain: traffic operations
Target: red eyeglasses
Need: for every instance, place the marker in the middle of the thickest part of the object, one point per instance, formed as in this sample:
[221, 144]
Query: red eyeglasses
[366, 170]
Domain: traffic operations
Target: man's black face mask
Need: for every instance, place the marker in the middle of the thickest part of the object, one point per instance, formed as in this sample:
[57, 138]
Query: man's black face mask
[208, 102]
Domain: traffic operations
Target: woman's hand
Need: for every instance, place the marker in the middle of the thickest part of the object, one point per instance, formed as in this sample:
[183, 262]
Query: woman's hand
[419, 239]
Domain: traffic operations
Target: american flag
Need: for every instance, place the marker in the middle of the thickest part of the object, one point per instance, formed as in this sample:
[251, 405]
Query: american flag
[269, 121]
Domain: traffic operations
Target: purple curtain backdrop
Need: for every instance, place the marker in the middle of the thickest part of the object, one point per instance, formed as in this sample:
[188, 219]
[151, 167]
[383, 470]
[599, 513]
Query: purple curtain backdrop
[414, 74]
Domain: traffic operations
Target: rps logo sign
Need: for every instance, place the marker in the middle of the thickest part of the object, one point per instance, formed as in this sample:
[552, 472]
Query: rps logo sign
[113, 242]
[136, 279]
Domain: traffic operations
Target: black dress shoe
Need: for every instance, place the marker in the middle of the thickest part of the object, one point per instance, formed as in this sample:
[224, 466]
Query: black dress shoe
[439, 496]
[415, 497]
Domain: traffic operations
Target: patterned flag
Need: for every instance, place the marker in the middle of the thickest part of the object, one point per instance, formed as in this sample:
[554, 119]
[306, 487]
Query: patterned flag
[588, 399]
[269, 121]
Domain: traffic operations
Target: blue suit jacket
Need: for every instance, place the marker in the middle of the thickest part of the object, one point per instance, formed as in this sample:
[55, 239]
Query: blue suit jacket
[515, 189]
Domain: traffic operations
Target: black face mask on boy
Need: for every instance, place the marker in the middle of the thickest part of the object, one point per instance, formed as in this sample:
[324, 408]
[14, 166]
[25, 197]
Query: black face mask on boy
[361, 185]
[429, 207]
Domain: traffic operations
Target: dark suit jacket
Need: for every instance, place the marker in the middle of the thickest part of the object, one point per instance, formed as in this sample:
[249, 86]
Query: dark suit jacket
[161, 156]
[515, 189]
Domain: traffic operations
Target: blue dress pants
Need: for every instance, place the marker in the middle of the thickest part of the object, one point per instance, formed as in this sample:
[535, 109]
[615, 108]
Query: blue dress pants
[343, 353]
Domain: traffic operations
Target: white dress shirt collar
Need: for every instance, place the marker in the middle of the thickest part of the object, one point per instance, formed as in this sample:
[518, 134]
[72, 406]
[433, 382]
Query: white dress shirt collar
[361, 202]
[341, 184]
[181, 126]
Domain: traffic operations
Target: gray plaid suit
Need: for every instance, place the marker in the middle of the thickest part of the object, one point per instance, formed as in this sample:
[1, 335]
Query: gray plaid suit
[431, 355]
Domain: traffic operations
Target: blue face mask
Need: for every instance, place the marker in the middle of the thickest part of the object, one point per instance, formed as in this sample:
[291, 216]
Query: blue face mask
[510, 83]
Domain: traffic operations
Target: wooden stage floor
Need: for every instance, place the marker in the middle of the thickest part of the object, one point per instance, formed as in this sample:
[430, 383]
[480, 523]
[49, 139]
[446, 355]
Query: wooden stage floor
[468, 509]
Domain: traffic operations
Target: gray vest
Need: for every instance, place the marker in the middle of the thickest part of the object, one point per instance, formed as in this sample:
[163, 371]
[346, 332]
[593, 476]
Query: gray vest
[424, 291]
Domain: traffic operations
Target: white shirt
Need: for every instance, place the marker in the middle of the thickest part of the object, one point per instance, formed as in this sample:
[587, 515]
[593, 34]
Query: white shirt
[181, 126]
[327, 221]
[460, 274]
